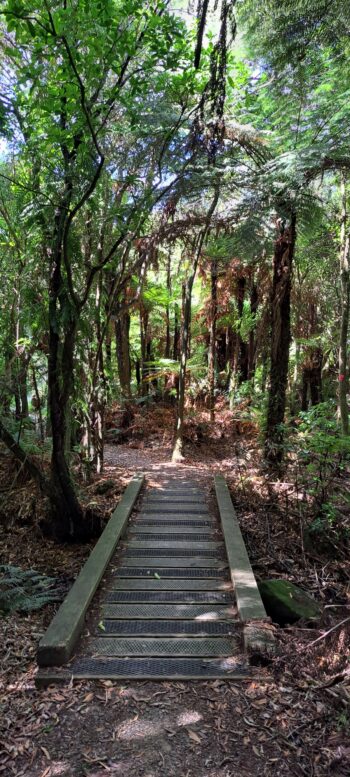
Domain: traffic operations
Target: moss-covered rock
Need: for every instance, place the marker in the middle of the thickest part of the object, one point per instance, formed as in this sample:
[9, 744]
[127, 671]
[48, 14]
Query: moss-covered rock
[285, 602]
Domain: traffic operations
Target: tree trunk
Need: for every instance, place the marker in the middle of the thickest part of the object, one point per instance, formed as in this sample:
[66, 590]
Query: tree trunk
[316, 378]
[280, 341]
[343, 377]
[178, 443]
[67, 517]
[242, 360]
[304, 389]
[167, 312]
[212, 337]
[67, 514]
[251, 344]
[38, 403]
[122, 329]
[144, 343]
[295, 380]
[108, 347]
[176, 332]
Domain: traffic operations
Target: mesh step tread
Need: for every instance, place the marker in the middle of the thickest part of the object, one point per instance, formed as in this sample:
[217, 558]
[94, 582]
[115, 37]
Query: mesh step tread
[168, 628]
[155, 510]
[166, 611]
[167, 597]
[170, 536]
[170, 544]
[189, 570]
[159, 501]
[155, 584]
[179, 561]
[182, 532]
[125, 647]
[170, 523]
[164, 668]
[181, 552]
[166, 493]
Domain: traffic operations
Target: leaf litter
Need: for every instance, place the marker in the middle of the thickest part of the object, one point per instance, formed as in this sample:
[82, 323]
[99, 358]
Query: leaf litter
[291, 719]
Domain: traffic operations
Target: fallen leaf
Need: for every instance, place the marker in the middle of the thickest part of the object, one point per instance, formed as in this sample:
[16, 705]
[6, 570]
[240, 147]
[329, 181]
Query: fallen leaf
[194, 736]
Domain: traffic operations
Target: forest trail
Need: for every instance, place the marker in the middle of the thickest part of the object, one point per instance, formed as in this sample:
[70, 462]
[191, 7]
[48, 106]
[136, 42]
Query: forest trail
[272, 722]
[165, 608]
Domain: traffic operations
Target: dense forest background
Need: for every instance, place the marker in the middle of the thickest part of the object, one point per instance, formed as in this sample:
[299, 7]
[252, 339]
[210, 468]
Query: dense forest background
[174, 227]
[174, 253]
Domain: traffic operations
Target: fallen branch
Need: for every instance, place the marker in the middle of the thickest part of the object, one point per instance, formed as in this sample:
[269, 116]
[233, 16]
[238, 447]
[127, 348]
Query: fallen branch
[326, 633]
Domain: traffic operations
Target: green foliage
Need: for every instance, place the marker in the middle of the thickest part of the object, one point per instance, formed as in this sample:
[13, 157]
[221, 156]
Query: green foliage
[322, 455]
[25, 590]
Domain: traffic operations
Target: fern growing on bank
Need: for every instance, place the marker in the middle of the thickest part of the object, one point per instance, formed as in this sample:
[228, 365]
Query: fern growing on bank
[25, 590]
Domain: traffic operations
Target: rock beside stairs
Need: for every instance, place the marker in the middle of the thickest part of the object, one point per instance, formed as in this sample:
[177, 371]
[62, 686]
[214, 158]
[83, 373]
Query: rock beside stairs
[286, 603]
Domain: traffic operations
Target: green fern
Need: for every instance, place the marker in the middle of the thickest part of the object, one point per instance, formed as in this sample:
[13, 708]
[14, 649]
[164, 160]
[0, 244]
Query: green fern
[25, 590]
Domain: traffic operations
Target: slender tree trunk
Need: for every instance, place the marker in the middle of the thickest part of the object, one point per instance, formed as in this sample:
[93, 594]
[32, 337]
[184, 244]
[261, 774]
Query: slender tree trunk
[176, 332]
[178, 444]
[316, 378]
[212, 337]
[122, 329]
[23, 390]
[98, 394]
[67, 514]
[304, 388]
[251, 344]
[295, 381]
[38, 406]
[108, 347]
[17, 396]
[167, 312]
[138, 374]
[343, 376]
[280, 341]
[242, 356]
[144, 348]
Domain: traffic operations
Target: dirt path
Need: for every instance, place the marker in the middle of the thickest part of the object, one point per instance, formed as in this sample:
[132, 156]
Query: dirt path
[276, 724]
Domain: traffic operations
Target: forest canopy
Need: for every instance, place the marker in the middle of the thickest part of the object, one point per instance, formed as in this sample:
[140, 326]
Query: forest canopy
[174, 226]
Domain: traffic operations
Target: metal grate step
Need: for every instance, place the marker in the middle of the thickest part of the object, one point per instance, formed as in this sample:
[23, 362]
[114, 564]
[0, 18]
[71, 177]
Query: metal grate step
[157, 542]
[161, 597]
[179, 551]
[187, 568]
[160, 510]
[157, 564]
[158, 669]
[167, 535]
[206, 647]
[159, 584]
[185, 493]
[203, 612]
[191, 532]
[204, 572]
[169, 523]
[168, 628]
[174, 501]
